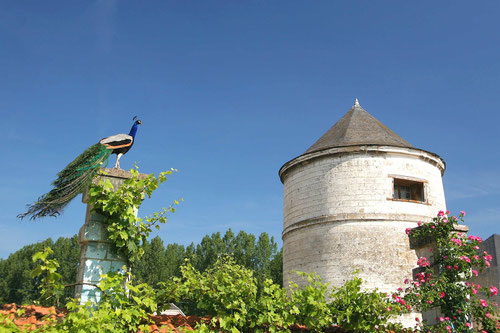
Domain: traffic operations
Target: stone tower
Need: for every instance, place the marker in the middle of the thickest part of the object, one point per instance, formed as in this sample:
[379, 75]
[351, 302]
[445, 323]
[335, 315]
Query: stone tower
[349, 198]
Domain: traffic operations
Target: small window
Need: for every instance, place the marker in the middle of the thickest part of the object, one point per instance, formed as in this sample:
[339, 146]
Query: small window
[408, 190]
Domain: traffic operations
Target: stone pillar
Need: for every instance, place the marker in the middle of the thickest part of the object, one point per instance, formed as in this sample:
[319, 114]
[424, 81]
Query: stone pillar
[97, 255]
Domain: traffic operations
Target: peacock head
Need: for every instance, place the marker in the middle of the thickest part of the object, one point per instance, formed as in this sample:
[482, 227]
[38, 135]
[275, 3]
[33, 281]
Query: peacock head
[137, 121]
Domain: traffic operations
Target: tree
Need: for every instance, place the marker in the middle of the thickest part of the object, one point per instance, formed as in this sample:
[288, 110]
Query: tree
[159, 263]
[150, 269]
[276, 268]
[16, 284]
[245, 249]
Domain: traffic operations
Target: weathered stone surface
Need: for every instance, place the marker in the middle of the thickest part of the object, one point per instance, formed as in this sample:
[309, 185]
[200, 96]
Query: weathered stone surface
[491, 276]
[339, 214]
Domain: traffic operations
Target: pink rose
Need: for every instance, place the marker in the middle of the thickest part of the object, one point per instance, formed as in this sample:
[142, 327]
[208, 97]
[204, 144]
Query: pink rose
[474, 272]
[483, 303]
[475, 238]
[442, 294]
[493, 290]
[423, 262]
[462, 213]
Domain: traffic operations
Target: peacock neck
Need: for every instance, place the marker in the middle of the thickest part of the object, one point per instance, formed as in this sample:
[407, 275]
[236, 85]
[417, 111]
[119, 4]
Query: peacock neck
[133, 130]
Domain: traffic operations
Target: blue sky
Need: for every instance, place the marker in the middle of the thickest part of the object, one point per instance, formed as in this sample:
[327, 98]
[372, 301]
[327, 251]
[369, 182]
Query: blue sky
[228, 91]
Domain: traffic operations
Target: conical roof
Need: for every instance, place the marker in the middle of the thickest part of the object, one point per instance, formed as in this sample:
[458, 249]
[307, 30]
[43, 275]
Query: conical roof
[358, 127]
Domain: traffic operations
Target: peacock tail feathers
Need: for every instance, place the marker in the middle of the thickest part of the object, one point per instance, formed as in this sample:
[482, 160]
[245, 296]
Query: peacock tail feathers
[71, 181]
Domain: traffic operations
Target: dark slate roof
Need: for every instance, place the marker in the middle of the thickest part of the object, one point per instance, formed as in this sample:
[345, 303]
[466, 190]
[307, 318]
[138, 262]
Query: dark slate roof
[358, 127]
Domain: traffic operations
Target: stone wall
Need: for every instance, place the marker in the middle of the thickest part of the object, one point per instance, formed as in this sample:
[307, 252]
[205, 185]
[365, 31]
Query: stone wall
[491, 276]
[359, 185]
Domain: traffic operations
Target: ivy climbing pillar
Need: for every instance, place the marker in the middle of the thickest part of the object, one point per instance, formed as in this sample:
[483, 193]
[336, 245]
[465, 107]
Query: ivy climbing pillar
[97, 254]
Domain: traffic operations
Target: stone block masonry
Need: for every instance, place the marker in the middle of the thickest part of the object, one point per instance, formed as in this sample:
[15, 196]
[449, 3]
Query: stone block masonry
[98, 255]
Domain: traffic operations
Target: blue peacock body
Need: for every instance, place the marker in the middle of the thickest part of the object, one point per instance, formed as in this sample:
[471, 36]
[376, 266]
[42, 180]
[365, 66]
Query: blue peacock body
[78, 175]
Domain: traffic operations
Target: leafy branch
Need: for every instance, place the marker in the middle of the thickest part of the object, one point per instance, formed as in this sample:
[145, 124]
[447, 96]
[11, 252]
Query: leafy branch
[119, 208]
[51, 289]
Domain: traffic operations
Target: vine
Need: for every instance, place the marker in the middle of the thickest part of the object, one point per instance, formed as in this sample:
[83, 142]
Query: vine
[125, 230]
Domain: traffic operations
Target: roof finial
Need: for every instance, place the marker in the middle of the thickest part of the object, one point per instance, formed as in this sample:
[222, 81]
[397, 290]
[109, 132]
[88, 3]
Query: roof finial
[356, 103]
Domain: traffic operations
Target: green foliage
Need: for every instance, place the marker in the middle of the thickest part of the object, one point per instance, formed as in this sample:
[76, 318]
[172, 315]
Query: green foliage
[16, 284]
[158, 263]
[7, 324]
[257, 254]
[276, 268]
[443, 280]
[227, 292]
[363, 311]
[309, 302]
[220, 289]
[127, 231]
[51, 289]
[124, 307]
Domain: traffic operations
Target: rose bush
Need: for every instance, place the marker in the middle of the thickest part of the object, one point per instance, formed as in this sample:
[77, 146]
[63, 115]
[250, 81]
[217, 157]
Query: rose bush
[443, 280]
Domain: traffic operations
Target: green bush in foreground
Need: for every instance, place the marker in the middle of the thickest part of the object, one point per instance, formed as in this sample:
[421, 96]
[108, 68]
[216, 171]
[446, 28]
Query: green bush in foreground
[227, 294]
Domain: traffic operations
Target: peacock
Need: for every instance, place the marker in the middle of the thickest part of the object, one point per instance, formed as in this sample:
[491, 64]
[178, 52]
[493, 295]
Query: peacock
[78, 175]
